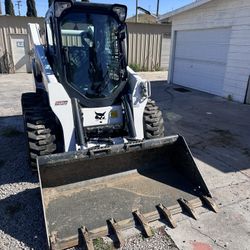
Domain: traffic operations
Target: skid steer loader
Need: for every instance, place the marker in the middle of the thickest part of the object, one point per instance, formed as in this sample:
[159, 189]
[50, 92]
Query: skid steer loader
[96, 137]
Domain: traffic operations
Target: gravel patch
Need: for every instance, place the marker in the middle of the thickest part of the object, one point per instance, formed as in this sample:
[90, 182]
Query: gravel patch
[21, 216]
[160, 241]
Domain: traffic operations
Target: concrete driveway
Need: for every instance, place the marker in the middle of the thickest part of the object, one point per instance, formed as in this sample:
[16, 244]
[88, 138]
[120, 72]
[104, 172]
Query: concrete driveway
[217, 131]
[11, 88]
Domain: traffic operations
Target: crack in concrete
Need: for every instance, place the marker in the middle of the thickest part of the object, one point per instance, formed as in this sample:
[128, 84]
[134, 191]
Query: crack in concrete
[233, 203]
[231, 184]
[206, 235]
[244, 174]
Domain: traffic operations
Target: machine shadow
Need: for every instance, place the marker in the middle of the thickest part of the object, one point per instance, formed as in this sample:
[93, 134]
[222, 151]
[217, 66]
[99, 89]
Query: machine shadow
[215, 129]
[21, 217]
[169, 164]
[14, 155]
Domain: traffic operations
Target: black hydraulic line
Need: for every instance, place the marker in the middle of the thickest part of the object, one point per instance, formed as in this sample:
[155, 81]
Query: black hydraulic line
[129, 116]
[247, 91]
[78, 121]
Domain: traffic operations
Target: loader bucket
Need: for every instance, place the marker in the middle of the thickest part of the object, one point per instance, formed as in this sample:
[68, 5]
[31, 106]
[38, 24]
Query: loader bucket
[93, 193]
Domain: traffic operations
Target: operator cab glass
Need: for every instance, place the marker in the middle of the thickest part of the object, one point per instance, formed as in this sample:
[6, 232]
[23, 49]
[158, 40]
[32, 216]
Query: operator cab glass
[92, 53]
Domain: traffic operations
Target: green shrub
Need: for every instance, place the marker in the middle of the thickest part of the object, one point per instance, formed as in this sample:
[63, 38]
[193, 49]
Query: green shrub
[135, 67]
[157, 67]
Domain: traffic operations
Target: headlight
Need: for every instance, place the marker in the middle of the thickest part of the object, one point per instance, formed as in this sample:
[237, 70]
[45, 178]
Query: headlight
[121, 11]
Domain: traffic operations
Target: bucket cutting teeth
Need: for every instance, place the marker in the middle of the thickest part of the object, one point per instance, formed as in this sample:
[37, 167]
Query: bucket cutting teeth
[86, 238]
[114, 228]
[188, 207]
[53, 240]
[209, 202]
[167, 214]
[140, 218]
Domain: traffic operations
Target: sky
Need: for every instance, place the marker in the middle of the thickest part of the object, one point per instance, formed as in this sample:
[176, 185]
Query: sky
[165, 5]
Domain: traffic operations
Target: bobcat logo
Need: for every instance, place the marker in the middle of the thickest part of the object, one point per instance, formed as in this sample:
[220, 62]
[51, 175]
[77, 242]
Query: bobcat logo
[100, 116]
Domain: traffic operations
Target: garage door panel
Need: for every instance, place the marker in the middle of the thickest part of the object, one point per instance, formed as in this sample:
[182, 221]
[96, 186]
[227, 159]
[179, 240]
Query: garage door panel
[202, 75]
[207, 69]
[208, 35]
[194, 52]
[204, 70]
[200, 59]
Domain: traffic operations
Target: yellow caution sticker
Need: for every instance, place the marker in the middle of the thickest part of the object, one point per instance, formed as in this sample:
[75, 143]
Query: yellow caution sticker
[113, 114]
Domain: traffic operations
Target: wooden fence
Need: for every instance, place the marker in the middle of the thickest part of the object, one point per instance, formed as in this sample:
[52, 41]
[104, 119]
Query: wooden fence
[149, 46]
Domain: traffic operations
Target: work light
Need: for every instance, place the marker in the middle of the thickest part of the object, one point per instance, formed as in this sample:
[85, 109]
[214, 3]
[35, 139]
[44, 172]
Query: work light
[61, 6]
[121, 11]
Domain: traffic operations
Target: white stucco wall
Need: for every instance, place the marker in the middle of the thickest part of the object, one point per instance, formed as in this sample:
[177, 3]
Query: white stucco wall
[222, 13]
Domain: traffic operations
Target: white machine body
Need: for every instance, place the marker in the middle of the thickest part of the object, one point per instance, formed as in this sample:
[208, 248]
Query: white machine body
[60, 102]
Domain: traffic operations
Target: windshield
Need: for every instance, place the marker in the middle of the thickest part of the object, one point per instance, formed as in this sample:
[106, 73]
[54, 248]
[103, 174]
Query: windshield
[92, 54]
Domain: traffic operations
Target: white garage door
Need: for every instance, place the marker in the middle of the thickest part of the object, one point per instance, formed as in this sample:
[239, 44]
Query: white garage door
[200, 59]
